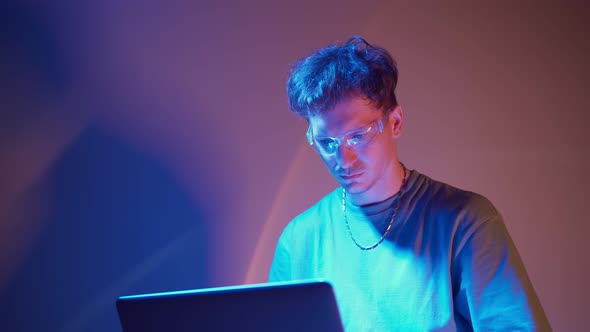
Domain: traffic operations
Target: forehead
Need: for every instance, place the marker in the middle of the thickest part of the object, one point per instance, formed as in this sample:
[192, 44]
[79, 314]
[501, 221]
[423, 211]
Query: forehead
[349, 114]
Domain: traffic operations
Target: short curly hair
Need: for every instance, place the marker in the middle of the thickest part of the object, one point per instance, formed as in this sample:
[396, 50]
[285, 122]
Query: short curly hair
[327, 76]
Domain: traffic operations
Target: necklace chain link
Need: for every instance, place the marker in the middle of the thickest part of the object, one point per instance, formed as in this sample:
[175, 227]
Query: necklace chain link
[399, 198]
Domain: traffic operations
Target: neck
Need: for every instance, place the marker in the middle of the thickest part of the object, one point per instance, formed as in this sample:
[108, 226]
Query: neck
[390, 187]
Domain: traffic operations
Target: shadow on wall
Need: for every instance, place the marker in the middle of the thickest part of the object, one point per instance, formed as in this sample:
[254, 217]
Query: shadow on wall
[118, 224]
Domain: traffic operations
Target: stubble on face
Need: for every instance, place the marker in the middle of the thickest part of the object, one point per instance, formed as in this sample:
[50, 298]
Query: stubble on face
[358, 172]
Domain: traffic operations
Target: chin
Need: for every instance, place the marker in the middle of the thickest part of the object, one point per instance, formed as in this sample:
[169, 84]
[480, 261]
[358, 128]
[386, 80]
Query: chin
[354, 187]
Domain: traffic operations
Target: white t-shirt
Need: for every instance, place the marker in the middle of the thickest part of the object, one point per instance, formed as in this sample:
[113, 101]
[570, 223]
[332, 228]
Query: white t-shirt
[448, 263]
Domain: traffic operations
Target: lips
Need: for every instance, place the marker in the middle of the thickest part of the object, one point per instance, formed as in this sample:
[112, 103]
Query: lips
[351, 176]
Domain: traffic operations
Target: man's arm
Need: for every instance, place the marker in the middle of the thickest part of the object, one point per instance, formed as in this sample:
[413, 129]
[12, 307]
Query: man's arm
[492, 290]
[280, 269]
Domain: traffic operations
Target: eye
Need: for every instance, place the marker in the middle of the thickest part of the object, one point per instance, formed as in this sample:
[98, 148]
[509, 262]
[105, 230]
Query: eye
[357, 138]
[325, 141]
[328, 144]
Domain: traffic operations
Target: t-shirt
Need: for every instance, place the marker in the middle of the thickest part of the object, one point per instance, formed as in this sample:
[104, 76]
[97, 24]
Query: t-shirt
[447, 264]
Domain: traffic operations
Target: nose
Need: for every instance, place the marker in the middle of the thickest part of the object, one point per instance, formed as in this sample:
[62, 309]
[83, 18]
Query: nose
[345, 157]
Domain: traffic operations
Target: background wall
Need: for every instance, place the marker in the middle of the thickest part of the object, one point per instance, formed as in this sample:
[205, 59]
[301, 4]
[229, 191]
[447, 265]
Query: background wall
[147, 145]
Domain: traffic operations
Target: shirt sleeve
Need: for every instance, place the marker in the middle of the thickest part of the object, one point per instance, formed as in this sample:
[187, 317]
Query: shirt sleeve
[280, 269]
[492, 291]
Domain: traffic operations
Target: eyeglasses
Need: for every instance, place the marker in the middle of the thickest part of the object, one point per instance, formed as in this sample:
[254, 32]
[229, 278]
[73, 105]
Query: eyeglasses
[356, 139]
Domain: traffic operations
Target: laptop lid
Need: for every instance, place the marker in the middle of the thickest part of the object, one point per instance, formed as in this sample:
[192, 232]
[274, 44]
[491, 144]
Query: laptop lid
[307, 305]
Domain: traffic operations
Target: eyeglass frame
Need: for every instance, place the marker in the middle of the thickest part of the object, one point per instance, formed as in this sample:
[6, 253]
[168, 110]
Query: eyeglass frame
[345, 138]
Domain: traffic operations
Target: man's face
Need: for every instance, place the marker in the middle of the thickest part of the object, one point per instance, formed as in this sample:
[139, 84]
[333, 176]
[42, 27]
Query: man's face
[366, 172]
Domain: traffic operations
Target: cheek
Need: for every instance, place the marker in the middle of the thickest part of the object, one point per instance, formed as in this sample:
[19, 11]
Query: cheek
[329, 162]
[377, 155]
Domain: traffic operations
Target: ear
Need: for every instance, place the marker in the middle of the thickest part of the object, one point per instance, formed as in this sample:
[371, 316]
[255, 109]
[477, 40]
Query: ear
[396, 120]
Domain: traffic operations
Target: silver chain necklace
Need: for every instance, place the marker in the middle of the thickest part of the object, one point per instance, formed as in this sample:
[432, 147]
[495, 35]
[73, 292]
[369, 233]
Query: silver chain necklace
[399, 198]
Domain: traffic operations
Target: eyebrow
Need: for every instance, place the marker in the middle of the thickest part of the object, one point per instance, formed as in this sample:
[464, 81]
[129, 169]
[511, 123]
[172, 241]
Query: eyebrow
[360, 129]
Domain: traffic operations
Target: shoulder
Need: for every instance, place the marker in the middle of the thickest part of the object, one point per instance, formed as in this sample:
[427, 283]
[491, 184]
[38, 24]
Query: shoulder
[315, 217]
[467, 219]
[451, 203]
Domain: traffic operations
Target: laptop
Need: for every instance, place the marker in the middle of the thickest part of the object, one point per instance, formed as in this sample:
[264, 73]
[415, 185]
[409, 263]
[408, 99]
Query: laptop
[295, 306]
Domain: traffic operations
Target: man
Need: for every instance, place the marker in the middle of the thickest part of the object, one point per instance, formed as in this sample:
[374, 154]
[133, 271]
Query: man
[403, 252]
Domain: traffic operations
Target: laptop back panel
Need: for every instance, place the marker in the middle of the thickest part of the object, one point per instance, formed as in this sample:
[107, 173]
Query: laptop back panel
[289, 307]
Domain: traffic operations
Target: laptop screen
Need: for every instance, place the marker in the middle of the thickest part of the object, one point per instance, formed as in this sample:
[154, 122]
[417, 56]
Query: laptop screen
[307, 305]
